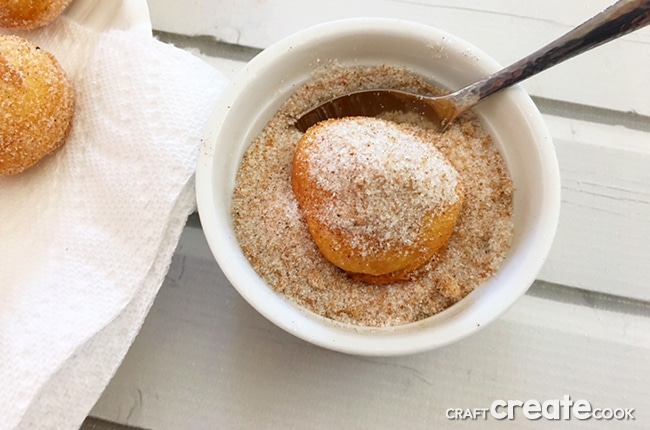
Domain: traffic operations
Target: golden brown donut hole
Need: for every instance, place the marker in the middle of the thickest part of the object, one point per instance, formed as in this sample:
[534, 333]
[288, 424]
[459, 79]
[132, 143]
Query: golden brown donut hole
[36, 104]
[378, 201]
[30, 14]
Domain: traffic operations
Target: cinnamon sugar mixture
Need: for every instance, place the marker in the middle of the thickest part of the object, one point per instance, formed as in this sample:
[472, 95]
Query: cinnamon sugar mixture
[273, 235]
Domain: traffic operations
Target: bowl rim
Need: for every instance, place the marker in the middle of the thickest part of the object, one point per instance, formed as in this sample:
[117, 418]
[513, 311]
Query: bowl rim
[311, 327]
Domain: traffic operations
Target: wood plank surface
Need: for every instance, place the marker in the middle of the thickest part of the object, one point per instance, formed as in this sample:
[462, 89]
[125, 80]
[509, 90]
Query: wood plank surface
[603, 239]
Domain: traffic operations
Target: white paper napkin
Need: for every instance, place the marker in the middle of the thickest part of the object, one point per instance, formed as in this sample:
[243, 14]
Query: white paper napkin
[86, 236]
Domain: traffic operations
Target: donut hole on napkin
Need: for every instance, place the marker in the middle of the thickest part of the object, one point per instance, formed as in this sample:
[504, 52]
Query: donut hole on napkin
[87, 235]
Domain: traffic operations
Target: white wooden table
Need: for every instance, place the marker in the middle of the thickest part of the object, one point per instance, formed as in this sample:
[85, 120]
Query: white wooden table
[206, 359]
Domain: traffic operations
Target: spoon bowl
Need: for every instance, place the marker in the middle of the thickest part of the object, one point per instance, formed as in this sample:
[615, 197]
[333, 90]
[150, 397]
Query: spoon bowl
[438, 110]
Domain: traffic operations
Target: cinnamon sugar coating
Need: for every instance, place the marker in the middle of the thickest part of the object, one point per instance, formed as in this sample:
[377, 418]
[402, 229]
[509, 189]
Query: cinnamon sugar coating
[36, 104]
[378, 200]
[274, 236]
[30, 14]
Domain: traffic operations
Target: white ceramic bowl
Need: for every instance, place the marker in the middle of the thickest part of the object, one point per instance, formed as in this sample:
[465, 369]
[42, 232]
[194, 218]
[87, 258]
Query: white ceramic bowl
[510, 117]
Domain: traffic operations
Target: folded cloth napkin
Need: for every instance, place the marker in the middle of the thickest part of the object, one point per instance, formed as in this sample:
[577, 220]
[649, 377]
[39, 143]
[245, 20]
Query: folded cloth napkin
[87, 235]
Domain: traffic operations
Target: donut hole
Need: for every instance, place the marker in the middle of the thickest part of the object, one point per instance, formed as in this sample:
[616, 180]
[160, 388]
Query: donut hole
[30, 14]
[378, 200]
[36, 101]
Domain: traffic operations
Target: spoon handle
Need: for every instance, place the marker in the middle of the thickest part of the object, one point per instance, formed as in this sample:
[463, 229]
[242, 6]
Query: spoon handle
[623, 17]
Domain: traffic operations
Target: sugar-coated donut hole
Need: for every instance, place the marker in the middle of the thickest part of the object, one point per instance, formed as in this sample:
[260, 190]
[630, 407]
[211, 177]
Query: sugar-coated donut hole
[37, 103]
[378, 201]
[30, 14]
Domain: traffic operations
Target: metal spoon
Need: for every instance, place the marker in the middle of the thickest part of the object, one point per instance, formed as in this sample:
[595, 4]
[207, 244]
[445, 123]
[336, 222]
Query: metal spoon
[623, 17]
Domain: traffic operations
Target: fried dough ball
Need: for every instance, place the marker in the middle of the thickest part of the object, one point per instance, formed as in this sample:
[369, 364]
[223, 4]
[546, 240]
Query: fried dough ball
[30, 14]
[36, 104]
[378, 199]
